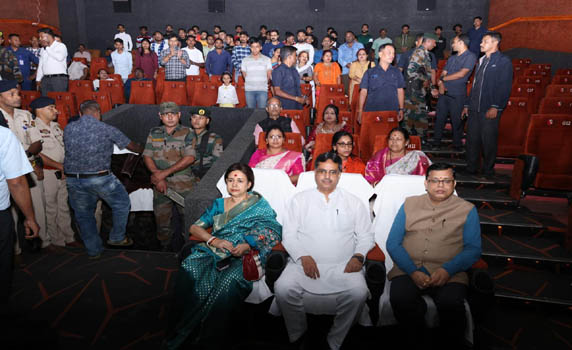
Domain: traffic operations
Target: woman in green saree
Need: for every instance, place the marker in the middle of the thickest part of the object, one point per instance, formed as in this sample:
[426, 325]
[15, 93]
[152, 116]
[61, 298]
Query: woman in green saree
[210, 284]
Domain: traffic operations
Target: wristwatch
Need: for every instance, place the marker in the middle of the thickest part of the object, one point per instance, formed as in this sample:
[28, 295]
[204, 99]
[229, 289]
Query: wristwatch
[359, 258]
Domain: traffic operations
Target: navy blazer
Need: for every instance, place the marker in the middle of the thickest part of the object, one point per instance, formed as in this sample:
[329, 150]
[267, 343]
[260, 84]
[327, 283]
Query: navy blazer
[497, 83]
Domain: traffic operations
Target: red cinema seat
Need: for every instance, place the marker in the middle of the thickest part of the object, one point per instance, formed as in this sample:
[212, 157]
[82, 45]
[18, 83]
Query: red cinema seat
[28, 97]
[555, 105]
[530, 91]
[104, 100]
[299, 116]
[560, 90]
[65, 98]
[513, 126]
[293, 141]
[142, 93]
[82, 89]
[175, 91]
[115, 89]
[373, 124]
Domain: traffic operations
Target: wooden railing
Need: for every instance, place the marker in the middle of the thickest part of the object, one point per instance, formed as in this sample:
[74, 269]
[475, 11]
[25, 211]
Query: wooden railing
[532, 19]
[28, 22]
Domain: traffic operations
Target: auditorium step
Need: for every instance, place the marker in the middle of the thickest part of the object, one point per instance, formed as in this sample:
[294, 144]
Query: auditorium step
[477, 196]
[502, 178]
[516, 218]
[545, 246]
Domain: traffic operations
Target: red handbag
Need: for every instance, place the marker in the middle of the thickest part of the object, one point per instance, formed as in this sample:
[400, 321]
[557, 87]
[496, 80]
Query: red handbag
[252, 269]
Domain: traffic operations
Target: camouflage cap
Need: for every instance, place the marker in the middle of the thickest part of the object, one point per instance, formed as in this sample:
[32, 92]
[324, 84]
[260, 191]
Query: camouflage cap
[428, 35]
[168, 107]
[201, 111]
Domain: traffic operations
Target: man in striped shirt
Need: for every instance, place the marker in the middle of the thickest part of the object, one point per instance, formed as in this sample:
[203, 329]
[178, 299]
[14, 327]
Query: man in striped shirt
[239, 52]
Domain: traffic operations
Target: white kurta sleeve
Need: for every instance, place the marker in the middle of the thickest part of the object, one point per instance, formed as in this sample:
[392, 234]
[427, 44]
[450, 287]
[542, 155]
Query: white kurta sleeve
[290, 239]
[363, 230]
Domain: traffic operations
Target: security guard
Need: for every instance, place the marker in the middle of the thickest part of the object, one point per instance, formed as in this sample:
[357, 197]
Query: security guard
[20, 122]
[208, 145]
[169, 152]
[58, 220]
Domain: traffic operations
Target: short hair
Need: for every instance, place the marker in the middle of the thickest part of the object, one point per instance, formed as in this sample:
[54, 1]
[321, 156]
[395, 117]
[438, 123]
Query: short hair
[183, 29]
[204, 31]
[464, 38]
[243, 168]
[301, 31]
[218, 39]
[309, 26]
[327, 37]
[118, 40]
[275, 31]
[365, 24]
[238, 26]
[143, 27]
[89, 105]
[457, 25]
[47, 31]
[330, 28]
[102, 69]
[478, 17]
[287, 51]
[324, 157]
[385, 45]
[439, 167]
[289, 34]
[418, 36]
[226, 73]
[139, 69]
[338, 135]
[217, 26]
[349, 31]
[81, 45]
[383, 29]
[495, 35]
[405, 25]
[157, 32]
[333, 32]
[403, 132]
[222, 31]
[275, 127]
[11, 35]
[336, 111]
[439, 27]
[121, 25]
[244, 33]
[169, 25]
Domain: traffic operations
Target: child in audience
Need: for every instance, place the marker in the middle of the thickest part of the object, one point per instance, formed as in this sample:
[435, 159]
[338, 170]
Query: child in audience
[226, 92]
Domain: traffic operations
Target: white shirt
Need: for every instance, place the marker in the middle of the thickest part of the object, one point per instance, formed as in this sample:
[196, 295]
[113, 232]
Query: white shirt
[127, 43]
[122, 63]
[13, 163]
[305, 47]
[159, 47]
[328, 231]
[75, 70]
[227, 94]
[52, 60]
[195, 55]
[85, 55]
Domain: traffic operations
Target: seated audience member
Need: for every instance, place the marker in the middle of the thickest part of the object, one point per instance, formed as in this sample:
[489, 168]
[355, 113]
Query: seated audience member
[330, 125]
[327, 72]
[210, 285]
[227, 96]
[395, 159]
[326, 45]
[169, 153]
[147, 60]
[82, 53]
[327, 233]
[208, 145]
[304, 68]
[275, 59]
[101, 75]
[276, 156]
[195, 56]
[77, 71]
[218, 61]
[343, 145]
[175, 60]
[273, 108]
[122, 60]
[139, 76]
[358, 69]
[434, 239]
[286, 81]
[107, 56]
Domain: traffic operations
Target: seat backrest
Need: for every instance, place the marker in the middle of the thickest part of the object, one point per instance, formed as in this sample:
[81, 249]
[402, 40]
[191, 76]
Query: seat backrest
[175, 91]
[65, 98]
[82, 89]
[104, 100]
[341, 102]
[332, 90]
[142, 92]
[513, 126]
[293, 141]
[80, 59]
[28, 97]
[525, 61]
[555, 105]
[530, 91]
[115, 89]
[64, 114]
[562, 79]
[205, 94]
[536, 71]
[536, 80]
[545, 67]
[301, 118]
[375, 123]
[549, 137]
[241, 94]
[559, 90]
[564, 71]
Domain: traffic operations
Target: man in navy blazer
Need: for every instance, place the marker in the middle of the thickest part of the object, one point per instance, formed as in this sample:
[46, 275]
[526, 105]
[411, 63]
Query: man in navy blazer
[484, 106]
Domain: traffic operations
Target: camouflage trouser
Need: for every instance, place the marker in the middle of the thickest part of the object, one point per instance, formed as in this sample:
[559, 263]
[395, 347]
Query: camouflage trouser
[163, 206]
[415, 115]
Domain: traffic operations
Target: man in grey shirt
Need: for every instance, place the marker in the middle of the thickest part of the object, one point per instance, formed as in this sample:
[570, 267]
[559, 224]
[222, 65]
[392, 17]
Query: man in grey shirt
[257, 71]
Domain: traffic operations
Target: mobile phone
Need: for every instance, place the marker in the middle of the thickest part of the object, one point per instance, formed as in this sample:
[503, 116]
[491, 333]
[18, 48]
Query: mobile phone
[223, 264]
[58, 175]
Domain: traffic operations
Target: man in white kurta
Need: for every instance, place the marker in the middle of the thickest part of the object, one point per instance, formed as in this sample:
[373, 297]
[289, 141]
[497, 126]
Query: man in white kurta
[327, 234]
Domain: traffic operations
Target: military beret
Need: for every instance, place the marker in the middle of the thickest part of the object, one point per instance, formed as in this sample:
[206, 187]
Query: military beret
[42, 102]
[6, 85]
[430, 36]
[201, 111]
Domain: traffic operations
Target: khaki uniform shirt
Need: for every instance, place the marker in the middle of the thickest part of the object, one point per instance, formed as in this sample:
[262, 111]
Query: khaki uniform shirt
[23, 126]
[53, 137]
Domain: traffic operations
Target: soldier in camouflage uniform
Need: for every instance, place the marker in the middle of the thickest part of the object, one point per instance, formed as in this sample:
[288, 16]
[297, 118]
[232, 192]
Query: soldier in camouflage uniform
[419, 77]
[206, 156]
[169, 152]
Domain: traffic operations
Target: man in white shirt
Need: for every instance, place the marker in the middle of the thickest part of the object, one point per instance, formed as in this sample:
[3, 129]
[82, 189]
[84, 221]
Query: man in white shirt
[77, 71]
[83, 53]
[52, 69]
[195, 56]
[128, 44]
[257, 71]
[302, 45]
[327, 234]
[122, 60]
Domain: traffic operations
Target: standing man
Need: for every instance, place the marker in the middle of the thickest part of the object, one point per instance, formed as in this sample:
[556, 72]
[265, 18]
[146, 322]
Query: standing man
[169, 153]
[25, 60]
[88, 148]
[302, 45]
[268, 48]
[122, 60]
[257, 72]
[158, 44]
[58, 220]
[175, 60]
[219, 60]
[489, 96]
[347, 53]
[286, 81]
[52, 68]
[209, 45]
[195, 57]
[142, 35]
[364, 38]
[9, 67]
[403, 42]
[453, 91]
[14, 166]
[440, 44]
[476, 35]
[327, 234]
[382, 40]
[239, 52]
[208, 145]
[326, 45]
[420, 76]
[383, 86]
[124, 36]
[458, 29]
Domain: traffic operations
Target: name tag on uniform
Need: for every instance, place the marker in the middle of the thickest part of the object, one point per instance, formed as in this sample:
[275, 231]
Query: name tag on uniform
[21, 62]
[157, 140]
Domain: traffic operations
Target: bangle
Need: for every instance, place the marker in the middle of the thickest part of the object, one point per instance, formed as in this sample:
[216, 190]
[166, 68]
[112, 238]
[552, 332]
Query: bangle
[210, 240]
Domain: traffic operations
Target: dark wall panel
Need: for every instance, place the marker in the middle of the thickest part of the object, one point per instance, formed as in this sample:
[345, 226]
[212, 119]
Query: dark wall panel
[99, 21]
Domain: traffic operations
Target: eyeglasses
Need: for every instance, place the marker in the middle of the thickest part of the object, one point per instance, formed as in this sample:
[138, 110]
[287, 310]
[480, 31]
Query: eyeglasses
[341, 144]
[323, 172]
[442, 181]
[274, 105]
[275, 137]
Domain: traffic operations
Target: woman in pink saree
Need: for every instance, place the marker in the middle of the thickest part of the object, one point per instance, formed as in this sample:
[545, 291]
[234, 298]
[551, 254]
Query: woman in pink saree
[275, 156]
[395, 159]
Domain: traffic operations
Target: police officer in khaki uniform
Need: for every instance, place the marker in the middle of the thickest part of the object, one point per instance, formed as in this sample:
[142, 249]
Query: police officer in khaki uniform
[208, 145]
[169, 153]
[22, 125]
[58, 218]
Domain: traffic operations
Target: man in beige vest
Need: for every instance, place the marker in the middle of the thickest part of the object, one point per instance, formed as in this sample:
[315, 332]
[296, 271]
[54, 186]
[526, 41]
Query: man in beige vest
[434, 239]
[58, 220]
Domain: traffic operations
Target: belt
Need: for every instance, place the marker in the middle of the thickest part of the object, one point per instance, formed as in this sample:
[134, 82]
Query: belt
[49, 168]
[84, 176]
[55, 75]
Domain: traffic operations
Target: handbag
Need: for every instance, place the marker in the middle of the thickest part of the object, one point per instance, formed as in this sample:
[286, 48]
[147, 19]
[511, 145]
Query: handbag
[252, 269]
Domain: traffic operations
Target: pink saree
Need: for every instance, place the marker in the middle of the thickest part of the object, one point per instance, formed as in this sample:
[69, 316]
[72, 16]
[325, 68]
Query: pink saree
[381, 164]
[289, 161]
